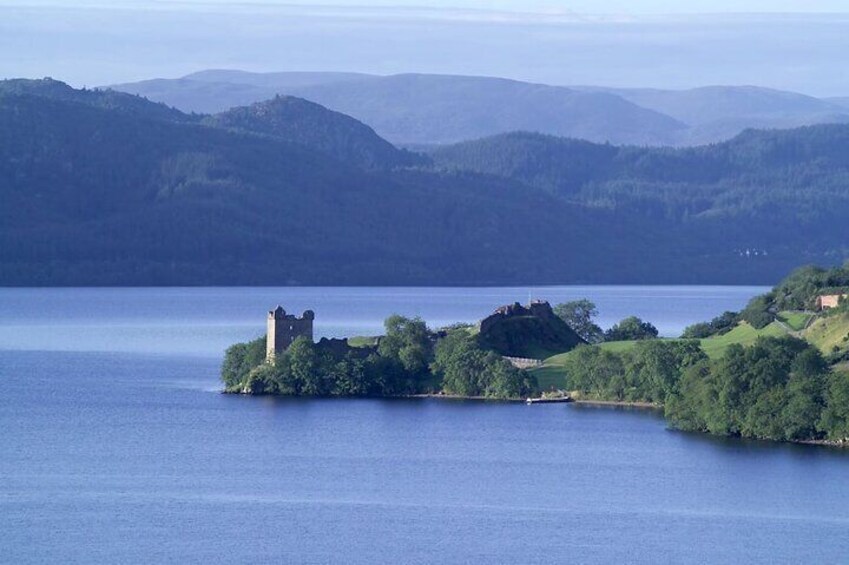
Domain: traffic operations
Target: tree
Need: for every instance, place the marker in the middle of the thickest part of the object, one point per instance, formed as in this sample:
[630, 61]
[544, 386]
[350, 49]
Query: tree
[631, 328]
[758, 312]
[305, 366]
[835, 418]
[579, 314]
[654, 367]
[409, 341]
[466, 369]
[690, 403]
[239, 360]
[723, 323]
[594, 370]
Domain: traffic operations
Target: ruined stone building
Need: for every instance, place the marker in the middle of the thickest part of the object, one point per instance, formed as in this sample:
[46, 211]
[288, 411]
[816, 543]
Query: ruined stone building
[285, 328]
[530, 332]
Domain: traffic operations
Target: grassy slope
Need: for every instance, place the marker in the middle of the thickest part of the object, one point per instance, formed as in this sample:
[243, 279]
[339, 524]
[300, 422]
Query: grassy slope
[829, 332]
[795, 320]
[743, 334]
[552, 374]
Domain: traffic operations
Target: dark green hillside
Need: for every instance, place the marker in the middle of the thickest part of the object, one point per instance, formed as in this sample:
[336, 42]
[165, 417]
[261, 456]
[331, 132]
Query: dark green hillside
[104, 99]
[782, 192]
[557, 164]
[101, 188]
[98, 196]
[309, 124]
[733, 176]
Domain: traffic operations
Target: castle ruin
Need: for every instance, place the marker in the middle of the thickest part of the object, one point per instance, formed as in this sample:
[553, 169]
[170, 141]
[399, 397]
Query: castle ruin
[285, 328]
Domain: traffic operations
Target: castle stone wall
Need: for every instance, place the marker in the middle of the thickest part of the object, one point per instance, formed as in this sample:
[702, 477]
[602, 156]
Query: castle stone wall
[285, 328]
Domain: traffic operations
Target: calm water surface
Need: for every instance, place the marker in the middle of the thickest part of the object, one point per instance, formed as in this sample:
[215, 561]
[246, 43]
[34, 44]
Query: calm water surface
[116, 448]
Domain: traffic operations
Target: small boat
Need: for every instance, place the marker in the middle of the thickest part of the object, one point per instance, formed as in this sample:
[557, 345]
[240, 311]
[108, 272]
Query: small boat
[549, 400]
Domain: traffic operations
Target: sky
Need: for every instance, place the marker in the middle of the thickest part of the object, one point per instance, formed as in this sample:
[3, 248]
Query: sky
[785, 44]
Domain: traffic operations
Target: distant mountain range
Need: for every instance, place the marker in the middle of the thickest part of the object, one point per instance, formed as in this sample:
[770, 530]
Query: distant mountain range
[105, 188]
[423, 109]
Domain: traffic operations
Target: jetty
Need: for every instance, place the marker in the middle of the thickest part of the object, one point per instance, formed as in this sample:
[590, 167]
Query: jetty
[550, 399]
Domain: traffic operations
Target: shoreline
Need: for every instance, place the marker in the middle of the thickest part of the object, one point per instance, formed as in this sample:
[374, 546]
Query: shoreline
[458, 397]
[834, 444]
[618, 403]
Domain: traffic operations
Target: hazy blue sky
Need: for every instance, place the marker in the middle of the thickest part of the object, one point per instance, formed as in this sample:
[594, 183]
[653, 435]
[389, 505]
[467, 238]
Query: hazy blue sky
[786, 44]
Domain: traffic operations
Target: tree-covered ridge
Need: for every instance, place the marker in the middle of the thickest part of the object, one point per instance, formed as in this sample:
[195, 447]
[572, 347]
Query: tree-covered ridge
[798, 174]
[50, 89]
[98, 196]
[309, 124]
[409, 359]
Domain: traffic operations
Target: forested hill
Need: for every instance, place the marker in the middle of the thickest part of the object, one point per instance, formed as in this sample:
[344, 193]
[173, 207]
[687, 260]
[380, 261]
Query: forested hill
[110, 189]
[776, 186]
[97, 195]
[301, 121]
[112, 100]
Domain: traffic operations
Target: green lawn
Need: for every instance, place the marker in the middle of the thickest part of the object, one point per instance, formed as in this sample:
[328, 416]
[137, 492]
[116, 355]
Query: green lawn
[795, 320]
[362, 341]
[743, 334]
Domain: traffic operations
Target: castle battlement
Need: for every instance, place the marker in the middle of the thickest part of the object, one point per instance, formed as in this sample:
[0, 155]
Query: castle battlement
[285, 328]
[537, 308]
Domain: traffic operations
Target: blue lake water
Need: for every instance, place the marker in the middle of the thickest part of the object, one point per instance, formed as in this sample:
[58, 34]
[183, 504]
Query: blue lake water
[115, 447]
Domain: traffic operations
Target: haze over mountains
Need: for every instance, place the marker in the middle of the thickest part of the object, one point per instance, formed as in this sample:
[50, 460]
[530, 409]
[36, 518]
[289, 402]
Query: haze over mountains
[422, 109]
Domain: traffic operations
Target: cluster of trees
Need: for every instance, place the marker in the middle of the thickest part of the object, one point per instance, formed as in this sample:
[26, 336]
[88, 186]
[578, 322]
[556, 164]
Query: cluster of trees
[647, 373]
[723, 323]
[398, 365]
[631, 328]
[409, 359]
[778, 389]
[800, 289]
[580, 314]
[465, 369]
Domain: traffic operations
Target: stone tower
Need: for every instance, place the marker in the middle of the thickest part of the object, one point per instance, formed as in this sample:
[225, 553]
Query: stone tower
[284, 328]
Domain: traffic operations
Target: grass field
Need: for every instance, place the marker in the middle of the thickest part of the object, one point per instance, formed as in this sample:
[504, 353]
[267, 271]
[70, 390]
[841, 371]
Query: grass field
[362, 341]
[743, 334]
[795, 320]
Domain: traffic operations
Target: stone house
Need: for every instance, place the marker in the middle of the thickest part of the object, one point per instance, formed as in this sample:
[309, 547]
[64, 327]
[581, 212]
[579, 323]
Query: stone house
[826, 301]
